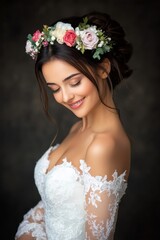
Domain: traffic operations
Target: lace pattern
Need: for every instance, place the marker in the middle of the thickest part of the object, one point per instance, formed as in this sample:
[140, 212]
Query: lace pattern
[77, 205]
[100, 192]
[33, 224]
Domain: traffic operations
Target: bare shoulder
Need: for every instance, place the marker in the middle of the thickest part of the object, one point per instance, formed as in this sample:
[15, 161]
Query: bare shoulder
[109, 152]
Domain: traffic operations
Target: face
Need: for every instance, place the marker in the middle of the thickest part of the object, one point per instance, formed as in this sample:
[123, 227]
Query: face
[70, 87]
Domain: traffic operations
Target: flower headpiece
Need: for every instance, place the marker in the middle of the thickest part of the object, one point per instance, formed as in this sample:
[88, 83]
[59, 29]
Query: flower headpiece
[84, 37]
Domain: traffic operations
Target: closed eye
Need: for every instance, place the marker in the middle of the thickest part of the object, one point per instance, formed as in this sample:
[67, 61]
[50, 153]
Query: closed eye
[75, 84]
[54, 90]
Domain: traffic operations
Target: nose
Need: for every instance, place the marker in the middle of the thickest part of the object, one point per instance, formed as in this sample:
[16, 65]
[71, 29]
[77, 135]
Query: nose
[67, 96]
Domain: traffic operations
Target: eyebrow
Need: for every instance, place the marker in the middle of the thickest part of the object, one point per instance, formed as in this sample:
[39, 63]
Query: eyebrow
[67, 78]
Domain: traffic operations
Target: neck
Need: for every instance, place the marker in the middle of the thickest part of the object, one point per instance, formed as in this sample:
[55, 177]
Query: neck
[102, 116]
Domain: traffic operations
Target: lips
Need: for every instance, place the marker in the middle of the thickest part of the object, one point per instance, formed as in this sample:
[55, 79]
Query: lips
[76, 104]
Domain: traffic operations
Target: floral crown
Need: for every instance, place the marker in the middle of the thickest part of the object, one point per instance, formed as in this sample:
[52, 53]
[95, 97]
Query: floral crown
[84, 37]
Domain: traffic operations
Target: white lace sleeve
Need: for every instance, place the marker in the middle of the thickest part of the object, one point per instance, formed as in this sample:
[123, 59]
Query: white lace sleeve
[102, 200]
[32, 226]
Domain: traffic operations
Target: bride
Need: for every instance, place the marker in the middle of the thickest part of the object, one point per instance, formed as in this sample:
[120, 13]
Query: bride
[81, 180]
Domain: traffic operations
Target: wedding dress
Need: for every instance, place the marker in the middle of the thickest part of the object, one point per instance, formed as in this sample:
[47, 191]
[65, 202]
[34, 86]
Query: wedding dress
[74, 204]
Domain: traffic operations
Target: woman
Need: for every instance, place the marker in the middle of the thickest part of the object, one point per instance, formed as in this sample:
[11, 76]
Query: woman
[82, 180]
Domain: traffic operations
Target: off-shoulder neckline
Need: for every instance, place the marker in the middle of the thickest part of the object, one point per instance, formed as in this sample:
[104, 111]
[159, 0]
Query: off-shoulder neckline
[83, 168]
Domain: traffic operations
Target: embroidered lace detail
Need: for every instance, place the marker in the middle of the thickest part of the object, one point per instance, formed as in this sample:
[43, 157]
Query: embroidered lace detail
[33, 224]
[102, 195]
[76, 205]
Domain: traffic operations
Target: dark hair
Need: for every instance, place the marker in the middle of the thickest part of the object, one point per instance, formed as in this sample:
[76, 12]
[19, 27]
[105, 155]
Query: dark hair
[118, 57]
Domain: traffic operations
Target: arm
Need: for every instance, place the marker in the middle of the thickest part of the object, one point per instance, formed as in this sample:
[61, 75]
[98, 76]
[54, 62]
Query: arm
[105, 184]
[32, 227]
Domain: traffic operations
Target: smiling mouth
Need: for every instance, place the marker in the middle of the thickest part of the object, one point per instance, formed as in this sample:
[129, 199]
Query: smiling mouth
[77, 104]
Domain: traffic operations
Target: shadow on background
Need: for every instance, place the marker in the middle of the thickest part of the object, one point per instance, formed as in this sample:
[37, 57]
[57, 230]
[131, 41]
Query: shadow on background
[26, 133]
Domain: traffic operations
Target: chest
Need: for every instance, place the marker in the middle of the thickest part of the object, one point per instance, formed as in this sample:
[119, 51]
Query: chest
[73, 148]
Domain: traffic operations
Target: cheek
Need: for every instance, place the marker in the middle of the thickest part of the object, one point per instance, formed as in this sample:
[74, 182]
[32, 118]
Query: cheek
[57, 97]
[89, 88]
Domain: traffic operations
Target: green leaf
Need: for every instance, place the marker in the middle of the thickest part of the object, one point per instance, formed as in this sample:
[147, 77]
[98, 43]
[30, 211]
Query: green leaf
[29, 37]
[85, 20]
[84, 24]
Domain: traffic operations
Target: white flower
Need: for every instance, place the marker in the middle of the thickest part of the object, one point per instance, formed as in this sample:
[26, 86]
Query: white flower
[83, 37]
[60, 31]
[37, 44]
[89, 38]
[101, 44]
[28, 46]
[77, 31]
[93, 28]
[53, 38]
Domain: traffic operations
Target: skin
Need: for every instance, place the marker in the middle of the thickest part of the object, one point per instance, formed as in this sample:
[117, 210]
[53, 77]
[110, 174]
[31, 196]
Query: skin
[99, 137]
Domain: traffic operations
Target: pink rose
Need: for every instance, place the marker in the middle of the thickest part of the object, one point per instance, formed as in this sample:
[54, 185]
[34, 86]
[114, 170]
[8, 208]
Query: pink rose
[36, 36]
[89, 39]
[45, 43]
[69, 38]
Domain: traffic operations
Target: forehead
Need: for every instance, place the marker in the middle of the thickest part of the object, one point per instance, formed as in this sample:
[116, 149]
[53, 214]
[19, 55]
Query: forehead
[57, 70]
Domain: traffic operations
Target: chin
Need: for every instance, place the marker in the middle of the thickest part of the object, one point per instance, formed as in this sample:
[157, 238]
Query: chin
[79, 115]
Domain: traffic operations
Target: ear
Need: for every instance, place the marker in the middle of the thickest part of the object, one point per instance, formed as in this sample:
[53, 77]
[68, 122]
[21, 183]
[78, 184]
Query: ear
[104, 68]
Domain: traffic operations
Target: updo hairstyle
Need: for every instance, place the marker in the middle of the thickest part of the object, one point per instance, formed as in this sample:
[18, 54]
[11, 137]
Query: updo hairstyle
[118, 56]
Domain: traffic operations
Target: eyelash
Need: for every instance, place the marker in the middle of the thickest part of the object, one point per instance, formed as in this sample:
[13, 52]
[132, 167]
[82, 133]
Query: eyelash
[76, 84]
[72, 85]
[55, 91]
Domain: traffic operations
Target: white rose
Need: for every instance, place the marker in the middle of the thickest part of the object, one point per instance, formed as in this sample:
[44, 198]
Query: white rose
[89, 38]
[60, 31]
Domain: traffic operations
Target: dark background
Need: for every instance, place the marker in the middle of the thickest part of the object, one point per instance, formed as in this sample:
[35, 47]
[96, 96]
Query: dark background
[26, 133]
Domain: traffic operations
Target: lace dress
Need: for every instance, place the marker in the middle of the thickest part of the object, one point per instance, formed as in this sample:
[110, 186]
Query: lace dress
[74, 205]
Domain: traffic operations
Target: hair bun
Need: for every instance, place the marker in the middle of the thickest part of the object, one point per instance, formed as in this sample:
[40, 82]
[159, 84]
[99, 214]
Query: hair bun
[122, 49]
